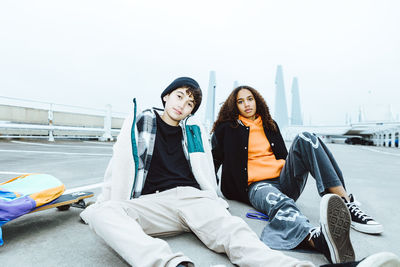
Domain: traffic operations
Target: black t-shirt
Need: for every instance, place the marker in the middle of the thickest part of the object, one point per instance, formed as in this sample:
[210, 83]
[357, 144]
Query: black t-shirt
[169, 167]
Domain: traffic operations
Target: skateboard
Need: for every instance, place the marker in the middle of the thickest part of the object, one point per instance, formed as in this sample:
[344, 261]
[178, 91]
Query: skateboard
[64, 202]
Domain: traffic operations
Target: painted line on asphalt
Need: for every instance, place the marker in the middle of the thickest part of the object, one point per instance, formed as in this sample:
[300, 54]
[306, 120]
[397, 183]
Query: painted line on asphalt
[83, 188]
[69, 146]
[97, 143]
[382, 152]
[14, 173]
[54, 152]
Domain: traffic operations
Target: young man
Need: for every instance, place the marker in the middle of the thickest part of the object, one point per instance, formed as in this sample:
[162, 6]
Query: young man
[161, 181]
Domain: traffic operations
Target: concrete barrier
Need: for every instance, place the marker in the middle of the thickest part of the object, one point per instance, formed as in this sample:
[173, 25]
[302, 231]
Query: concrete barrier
[17, 121]
[23, 115]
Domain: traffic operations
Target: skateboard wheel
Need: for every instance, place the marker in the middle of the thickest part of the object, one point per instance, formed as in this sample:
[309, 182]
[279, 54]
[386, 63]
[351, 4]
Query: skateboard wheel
[64, 207]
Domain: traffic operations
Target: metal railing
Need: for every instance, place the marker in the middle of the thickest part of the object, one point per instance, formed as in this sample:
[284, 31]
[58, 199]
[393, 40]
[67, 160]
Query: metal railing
[38, 119]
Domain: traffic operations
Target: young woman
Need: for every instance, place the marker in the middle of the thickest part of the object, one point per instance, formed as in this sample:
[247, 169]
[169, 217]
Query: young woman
[258, 170]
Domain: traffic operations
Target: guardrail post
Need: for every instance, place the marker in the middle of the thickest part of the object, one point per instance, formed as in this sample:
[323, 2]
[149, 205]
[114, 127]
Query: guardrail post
[386, 136]
[392, 135]
[107, 125]
[50, 119]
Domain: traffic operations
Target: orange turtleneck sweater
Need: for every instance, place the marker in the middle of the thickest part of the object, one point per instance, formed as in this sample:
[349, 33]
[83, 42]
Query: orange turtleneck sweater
[261, 164]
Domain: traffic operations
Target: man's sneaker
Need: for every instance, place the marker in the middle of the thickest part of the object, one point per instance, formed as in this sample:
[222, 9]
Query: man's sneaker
[335, 226]
[381, 259]
[361, 221]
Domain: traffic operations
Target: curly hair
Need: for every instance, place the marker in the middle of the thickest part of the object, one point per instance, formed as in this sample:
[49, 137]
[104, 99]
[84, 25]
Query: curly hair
[229, 111]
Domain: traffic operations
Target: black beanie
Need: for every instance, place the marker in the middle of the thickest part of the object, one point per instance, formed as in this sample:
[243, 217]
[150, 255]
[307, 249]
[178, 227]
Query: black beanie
[183, 82]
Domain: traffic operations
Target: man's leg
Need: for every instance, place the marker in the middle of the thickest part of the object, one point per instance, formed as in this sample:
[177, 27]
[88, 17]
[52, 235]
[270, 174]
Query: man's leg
[126, 226]
[222, 232]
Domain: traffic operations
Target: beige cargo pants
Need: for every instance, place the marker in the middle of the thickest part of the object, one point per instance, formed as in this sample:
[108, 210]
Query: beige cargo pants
[131, 227]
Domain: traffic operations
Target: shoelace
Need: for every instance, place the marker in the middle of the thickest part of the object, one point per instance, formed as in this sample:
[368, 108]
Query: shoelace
[314, 232]
[357, 212]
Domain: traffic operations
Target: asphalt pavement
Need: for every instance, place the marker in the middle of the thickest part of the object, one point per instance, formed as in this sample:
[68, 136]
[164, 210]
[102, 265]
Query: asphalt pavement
[59, 238]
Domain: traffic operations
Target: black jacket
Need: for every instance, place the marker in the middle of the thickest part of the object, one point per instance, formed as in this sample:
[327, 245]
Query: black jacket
[229, 148]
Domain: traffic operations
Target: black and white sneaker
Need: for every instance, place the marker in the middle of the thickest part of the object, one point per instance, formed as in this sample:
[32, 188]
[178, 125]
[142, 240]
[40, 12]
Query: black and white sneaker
[361, 221]
[335, 227]
[320, 243]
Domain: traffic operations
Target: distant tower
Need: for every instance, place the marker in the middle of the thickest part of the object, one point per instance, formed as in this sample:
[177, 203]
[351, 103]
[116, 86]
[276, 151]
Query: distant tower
[235, 84]
[391, 117]
[210, 105]
[296, 109]
[281, 114]
[360, 117]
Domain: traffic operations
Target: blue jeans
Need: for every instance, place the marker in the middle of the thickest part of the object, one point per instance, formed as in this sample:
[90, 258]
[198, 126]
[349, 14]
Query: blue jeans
[287, 226]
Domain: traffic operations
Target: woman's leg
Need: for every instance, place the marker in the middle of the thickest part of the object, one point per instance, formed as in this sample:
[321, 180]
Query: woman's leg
[308, 154]
[287, 226]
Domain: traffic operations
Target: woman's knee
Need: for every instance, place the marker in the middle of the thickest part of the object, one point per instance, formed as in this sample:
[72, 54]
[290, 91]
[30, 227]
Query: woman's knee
[269, 198]
[305, 139]
[304, 136]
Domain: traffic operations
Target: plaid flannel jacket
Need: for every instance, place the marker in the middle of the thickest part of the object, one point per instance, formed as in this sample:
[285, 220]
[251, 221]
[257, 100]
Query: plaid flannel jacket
[127, 170]
[146, 135]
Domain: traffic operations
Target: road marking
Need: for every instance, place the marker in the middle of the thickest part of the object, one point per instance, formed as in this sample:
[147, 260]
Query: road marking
[83, 188]
[69, 146]
[97, 143]
[14, 173]
[382, 152]
[53, 152]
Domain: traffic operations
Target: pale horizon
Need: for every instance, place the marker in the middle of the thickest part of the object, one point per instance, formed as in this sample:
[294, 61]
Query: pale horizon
[345, 54]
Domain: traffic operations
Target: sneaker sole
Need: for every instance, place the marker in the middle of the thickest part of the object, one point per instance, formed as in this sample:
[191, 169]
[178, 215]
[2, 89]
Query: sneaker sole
[335, 225]
[368, 229]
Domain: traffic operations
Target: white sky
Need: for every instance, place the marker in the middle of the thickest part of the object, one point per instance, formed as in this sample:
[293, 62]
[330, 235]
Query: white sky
[92, 53]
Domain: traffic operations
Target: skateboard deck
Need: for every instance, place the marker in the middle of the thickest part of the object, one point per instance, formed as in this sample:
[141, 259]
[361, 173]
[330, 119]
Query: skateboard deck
[64, 202]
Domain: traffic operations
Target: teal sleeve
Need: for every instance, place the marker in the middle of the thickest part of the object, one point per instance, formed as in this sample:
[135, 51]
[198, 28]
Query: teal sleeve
[134, 147]
[195, 143]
